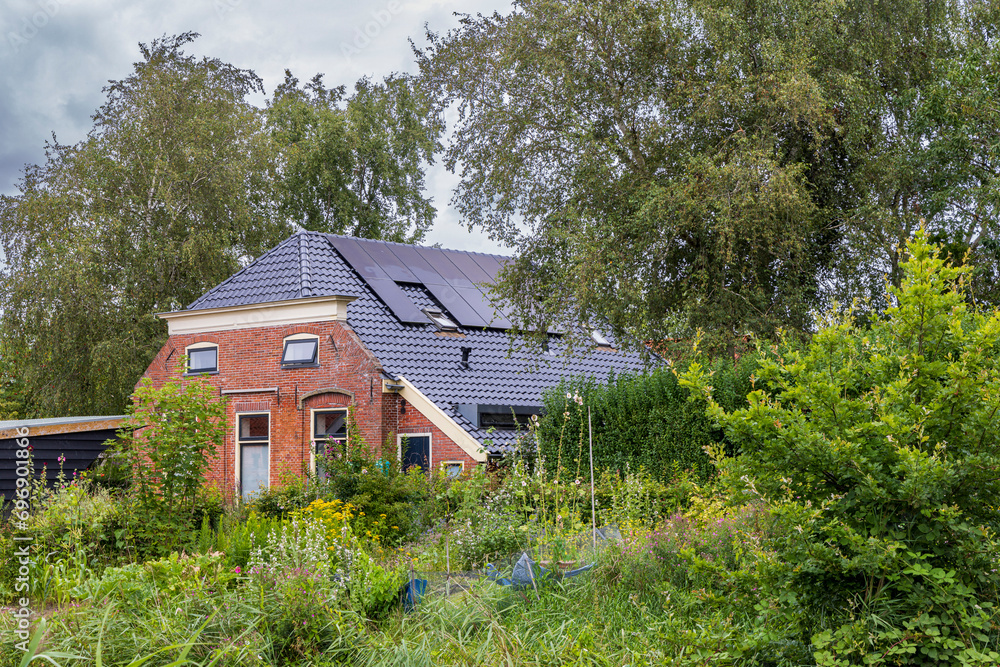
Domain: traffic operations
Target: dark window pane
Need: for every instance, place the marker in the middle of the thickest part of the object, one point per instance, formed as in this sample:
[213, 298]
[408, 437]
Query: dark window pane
[332, 424]
[203, 360]
[254, 427]
[300, 351]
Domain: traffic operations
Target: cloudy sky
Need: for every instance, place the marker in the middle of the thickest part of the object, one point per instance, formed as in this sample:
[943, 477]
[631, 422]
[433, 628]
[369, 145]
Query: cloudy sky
[56, 55]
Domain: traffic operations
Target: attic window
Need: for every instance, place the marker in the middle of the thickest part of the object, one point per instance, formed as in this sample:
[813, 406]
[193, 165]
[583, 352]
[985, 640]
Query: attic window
[440, 320]
[300, 351]
[202, 359]
[600, 339]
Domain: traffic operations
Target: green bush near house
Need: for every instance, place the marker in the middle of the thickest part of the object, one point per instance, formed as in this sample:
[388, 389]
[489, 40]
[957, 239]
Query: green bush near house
[878, 449]
[639, 421]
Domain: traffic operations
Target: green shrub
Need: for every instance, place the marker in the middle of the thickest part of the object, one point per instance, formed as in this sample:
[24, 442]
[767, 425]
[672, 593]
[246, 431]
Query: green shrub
[170, 437]
[392, 505]
[878, 448]
[639, 420]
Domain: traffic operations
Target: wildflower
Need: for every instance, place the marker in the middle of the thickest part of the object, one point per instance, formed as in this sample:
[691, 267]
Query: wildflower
[238, 570]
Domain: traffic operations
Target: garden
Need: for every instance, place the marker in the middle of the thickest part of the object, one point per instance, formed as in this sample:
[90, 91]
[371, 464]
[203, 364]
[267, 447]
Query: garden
[821, 502]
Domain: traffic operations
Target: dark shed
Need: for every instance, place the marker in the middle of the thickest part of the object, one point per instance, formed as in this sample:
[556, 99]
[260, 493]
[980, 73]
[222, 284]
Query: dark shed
[79, 439]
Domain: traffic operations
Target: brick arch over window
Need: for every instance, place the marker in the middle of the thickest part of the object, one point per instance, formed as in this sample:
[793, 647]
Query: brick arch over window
[337, 396]
[293, 329]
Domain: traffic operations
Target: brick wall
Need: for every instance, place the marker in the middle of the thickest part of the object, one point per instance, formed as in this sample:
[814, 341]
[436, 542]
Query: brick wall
[443, 448]
[348, 375]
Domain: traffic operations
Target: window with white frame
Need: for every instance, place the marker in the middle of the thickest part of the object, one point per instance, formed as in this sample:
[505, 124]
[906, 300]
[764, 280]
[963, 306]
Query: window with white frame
[253, 439]
[300, 350]
[202, 358]
[329, 435]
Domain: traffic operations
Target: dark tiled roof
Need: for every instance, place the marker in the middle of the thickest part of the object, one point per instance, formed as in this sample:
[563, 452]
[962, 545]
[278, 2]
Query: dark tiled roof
[307, 264]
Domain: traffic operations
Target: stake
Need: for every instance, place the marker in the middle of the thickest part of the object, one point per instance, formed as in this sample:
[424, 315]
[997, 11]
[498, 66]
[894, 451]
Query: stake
[593, 505]
[447, 567]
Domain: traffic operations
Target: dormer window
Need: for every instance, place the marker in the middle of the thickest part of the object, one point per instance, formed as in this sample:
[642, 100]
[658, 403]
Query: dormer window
[599, 338]
[300, 350]
[440, 320]
[202, 358]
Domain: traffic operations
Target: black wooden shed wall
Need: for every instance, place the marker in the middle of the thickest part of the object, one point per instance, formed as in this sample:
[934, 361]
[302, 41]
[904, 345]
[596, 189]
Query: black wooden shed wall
[81, 449]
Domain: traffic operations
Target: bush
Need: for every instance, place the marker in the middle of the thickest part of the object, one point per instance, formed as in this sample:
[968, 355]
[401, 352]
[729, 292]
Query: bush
[641, 420]
[878, 449]
[392, 505]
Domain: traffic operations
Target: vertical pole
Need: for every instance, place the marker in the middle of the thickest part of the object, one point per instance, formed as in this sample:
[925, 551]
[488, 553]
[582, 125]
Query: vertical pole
[447, 567]
[593, 505]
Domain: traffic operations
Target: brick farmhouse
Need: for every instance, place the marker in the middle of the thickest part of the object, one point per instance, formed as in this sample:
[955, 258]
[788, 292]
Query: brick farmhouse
[404, 336]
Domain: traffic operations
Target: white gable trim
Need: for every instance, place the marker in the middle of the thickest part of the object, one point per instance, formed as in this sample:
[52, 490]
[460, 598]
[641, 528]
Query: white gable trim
[437, 416]
[251, 316]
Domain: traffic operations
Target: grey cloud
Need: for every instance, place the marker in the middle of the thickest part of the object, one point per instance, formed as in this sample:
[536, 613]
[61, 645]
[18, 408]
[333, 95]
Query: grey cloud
[51, 74]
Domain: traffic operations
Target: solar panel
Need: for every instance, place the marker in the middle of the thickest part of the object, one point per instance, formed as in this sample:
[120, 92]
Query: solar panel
[383, 254]
[418, 265]
[441, 261]
[384, 287]
[469, 267]
[481, 304]
[453, 302]
[452, 277]
[359, 260]
[398, 302]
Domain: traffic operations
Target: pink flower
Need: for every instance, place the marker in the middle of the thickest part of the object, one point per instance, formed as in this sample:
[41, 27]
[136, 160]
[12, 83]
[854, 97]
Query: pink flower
[238, 570]
[61, 459]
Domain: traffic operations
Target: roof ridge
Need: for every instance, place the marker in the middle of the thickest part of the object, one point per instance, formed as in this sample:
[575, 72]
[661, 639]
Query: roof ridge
[305, 268]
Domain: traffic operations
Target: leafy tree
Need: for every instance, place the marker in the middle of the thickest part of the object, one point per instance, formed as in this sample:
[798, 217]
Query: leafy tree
[15, 403]
[664, 165]
[355, 165]
[915, 89]
[167, 196]
[652, 164]
[878, 448]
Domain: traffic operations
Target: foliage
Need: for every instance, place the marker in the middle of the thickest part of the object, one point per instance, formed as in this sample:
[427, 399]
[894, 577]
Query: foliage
[876, 447]
[165, 198]
[237, 536]
[388, 503]
[355, 166]
[664, 166]
[641, 420]
[664, 170]
[291, 493]
[374, 586]
[173, 433]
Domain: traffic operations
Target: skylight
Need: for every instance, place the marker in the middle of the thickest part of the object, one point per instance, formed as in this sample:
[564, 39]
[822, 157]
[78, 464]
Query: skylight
[440, 320]
[600, 339]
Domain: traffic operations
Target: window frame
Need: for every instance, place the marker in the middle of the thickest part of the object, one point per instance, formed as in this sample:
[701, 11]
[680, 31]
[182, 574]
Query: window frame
[430, 446]
[440, 320]
[600, 340]
[312, 432]
[198, 347]
[239, 442]
[296, 338]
